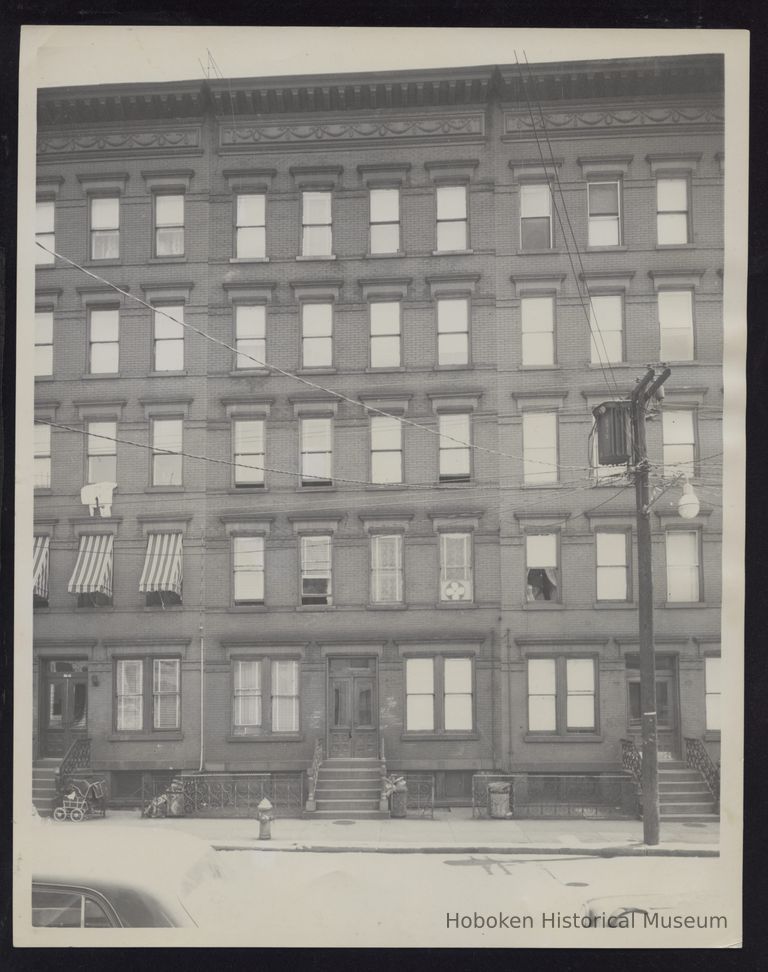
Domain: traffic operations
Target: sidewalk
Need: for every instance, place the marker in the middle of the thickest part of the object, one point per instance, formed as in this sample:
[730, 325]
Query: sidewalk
[451, 831]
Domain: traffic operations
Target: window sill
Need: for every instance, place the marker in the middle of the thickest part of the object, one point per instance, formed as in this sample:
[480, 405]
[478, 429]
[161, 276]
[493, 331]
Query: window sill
[456, 605]
[155, 737]
[257, 607]
[304, 488]
[675, 246]
[371, 606]
[315, 607]
[103, 263]
[467, 366]
[100, 375]
[615, 248]
[163, 489]
[437, 736]
[167, 259]
[235, 490]
[384, 256]
[549, 250]
[614, 606]
[94, 608]
[267, 737]
[322, 370]
[678, 605]
[554, 738]
[44, 378]
[540, 367]
[542, 485]
[543, 606]
[451, 252]
[307, 259]
[166, 374]
[249, 372]
[46, 266]
[455, 482]
[382, 486]
[249, 259]
[159, 609]
[384, 369]
[43, 491]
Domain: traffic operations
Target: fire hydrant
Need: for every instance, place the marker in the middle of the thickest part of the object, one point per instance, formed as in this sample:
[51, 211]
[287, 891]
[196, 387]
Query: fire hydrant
[266, 816]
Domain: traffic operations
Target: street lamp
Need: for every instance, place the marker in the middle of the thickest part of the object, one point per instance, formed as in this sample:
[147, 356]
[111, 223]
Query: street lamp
[688, 504]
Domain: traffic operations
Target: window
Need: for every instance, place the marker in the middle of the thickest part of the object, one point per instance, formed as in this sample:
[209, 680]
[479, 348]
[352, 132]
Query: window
[102, 452]
[168, 349]
[42, 471]
[248, 440]
[679, 444]
[248, 570]
[387, 568]
[712, 692]
[316, 228]
[605, 326]
[169, 224]
[285, 696]
[246, 707]
[147, 694]
[250, 335]
[535, 217]
[453, 331]
[451, 218]
[385, 334]
[103, 347]
[43, 343]
[612, 567]
[537, 316]
[539, 448]
[105, 227]
[604, 213]
[542, 574]
[316, 569]
[45, 215]
[385, 220]
[561, 695]
[456, 567]
[317, 335]
[386, 450]
[683, 566]
[64, 908]
[455, 462]
[265, 696]
[676, 324]
[250, 226]
[420, 694]
[671, 211]
[439, 694]
[166, 452]
[316, 455]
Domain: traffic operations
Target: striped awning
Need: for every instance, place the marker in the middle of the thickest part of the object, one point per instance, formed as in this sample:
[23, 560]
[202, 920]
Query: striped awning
[162, 564]
[40, 566]
[93, 570]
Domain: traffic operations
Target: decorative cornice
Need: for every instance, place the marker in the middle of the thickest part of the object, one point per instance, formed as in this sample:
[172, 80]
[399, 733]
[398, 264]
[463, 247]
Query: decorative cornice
[423, 126]
[119, 141]
[519, 122]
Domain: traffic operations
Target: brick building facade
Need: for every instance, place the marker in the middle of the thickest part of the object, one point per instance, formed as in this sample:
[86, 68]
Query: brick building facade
[396, 535]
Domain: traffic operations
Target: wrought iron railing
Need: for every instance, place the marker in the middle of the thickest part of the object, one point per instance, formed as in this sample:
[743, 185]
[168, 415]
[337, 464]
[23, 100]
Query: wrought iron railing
[231, 794]
[597, 796]
[420, 801]
[632, 760]
[76, 758]
[697, 757]
[312, 774]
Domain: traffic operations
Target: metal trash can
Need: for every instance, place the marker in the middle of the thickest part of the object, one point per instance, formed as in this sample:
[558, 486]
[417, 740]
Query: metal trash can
[498, 801]
[175, 800]
[399, 799]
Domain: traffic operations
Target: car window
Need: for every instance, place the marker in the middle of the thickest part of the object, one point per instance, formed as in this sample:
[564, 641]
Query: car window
[67, 909]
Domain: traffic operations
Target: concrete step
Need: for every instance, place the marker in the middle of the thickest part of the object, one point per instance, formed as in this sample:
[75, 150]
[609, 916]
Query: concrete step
[328, 803]
[350, 814]
[348, 790]
[690, 818]
[666, 809]
[351, 779]
[48, 761]
[691, 776]
[676, 764]
[351, 762]
[682, 786]
[702, 797]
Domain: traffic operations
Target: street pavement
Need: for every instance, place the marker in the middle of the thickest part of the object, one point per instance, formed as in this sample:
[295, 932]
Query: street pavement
[450, 831]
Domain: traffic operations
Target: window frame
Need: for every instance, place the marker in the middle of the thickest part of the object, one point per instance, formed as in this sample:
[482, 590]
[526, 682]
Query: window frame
[156, 227]
[248, 601]
[147, 727]
[445, 446]
[267, 683]
[388, 222]
[562, 730]
[523, 187]
[42, 258]
[49, 313]
[373, 338]
[673, 177]
[166, 418]
[604, 181]
[465, 299]
[600, 354]
[164, 308]
[439, 694]
[444, 221]
[373, 451]
[398, 571]
[314, 483]
[89, 454]
[304, 572]
[687, 467]
[42, 456]
[557, 539]
[524, 300]
[304, 338]
[115, 309]
[237, 226]
[251, 365]
[690, 327]
[305, 225]
[536, 479]
[117, 230]
[252, 484]
[628, 593]
[469, 567]
[696, 569]
[712, 730]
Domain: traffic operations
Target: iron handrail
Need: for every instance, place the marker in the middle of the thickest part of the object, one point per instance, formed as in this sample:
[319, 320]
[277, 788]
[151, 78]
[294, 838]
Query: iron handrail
[632, 760]
[77, 757]
[697, 757]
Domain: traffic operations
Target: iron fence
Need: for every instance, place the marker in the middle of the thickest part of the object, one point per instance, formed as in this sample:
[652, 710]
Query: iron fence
[599, 796]
[421, 795]
[230, 794]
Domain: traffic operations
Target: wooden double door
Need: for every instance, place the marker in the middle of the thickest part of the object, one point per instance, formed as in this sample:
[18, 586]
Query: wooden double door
[353, 723]
[667, 707]
[64, 707]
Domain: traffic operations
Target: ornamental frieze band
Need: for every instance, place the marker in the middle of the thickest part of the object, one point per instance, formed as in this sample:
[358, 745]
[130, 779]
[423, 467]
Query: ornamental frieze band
[119, 141]
[515, 122]
[347, 131]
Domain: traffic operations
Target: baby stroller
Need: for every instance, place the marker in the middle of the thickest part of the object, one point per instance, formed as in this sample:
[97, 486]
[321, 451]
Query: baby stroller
[81, 799]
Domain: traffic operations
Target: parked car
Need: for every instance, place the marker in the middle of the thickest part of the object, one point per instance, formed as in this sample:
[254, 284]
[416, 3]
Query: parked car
[111, 876]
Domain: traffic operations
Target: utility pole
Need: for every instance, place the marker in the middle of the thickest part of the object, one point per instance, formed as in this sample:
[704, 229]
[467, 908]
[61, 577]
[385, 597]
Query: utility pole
[644, 391]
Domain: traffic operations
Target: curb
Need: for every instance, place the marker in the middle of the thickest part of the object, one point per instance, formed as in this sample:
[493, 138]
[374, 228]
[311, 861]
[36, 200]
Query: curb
[381, 848]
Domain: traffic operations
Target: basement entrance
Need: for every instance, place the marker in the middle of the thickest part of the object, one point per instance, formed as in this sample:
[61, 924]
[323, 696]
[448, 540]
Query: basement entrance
[353, 724]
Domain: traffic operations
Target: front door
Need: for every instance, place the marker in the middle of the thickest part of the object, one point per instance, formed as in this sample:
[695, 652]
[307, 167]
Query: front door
[667, 723]
[64, 705]
[353, 722]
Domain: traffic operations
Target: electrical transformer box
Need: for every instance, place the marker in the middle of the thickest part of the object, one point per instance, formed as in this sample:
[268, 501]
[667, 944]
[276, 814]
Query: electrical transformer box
[613, 439]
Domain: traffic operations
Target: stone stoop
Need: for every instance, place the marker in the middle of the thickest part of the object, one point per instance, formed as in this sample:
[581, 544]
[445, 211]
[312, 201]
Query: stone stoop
[349, 789]
[45, 794]
[684, 794]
